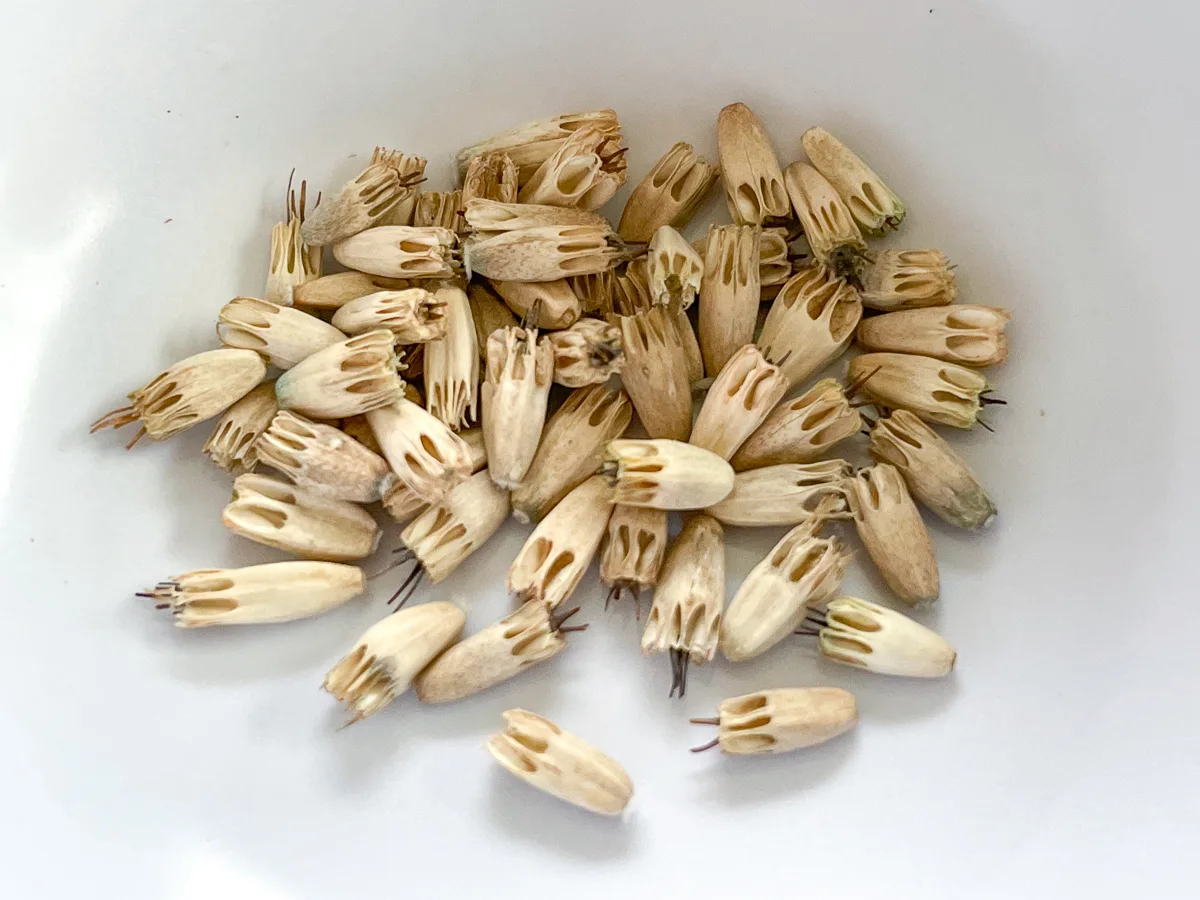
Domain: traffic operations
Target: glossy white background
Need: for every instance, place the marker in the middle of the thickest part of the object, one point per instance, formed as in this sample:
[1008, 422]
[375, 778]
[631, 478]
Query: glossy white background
[1050, 149]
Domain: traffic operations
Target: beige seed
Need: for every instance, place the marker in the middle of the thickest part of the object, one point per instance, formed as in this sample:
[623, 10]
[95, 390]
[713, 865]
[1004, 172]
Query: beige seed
[869, 200]
[491, 176]
[324, 459]
[810, 323]
[452, 362]
[754, 186]
[801, 430]
[655, 373]
[907, 279]
[941, 392]
[785, 494]
[344, 379]
[633, 552]
[871, 637]
[531, 144]
[363, 201]
[670, 194]
[557, 305]
[739, 400]
[967, 335]
[400, 251]
[584, 173]
[781, 720]
[830, 230]
[284, 336]
[444, 535]
[728, 293]
[232, 444]
[589, 352]
[665, 474]
[520, 370]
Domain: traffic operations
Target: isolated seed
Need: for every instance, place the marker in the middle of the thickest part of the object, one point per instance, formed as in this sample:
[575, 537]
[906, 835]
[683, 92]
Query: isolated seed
[443, 536]
[583, 173]
[872, 204]
[685, 619]
[364, 201]
[413, 316]
[233, 442]
[390, 653]
[557, 306]
[284, 336]
[785, 494]
[674, 269]
[665, 474]
[968, 335]
[801, 430]
[491, 176]
[589, 352]
[452, 362]
[324, 459]
[936, 475]
[400, 251]
[520, 370]
[801, 571]
[633, 552]
[421, 449]
[656, 373]
[187, 393]
[830, 230]
[503, 650]
[299, 520]
[350, 377]
[275, 592]
[669, 194]
[867, 636]
[544, 253]
[906, 279]
[488, 313]
[754, 187]
[739, 400]
[937, 391]
[531, 144]
[891, 529]
[561, 547]
[781, 720]
[810, 323]
[572, 447]
[335, 291]
[728, 293]
[557, 762]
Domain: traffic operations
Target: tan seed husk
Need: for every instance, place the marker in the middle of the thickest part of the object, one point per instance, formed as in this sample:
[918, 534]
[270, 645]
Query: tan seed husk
[740, 398]
[584, 173]
[729, 293]
[284, 336]
[520, 370]
[656, 373]
[802, 429]
[444, 535]
[542, 253]
[634, 548]
[665, 474]
[872, 637]
[421, 449]
[786, 494]
[781, 720]
[344, 379]
[589, 352]
[400, 251]
[452, 362]
[754, 186]
[811, 323]
[869, 200]
[362, 202]
[557, 305]
[670, 194]
[907, 279]
[440, 209]
[937, 391]
[968, 335]
[531, 144]
[491, 176]
[413, 316]
[830, 230]
[335, 291]
[324, 459]
[232, 442]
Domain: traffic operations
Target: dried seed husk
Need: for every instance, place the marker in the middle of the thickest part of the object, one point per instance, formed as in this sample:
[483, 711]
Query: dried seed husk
[299, 520]
[558, 307]
[232, 442]
[869, 200]
[542, 253]
[491, 176]
[786, 494]
[670, 194]
[389, 655]
[631, 288]
[728, 293]
[754, 186]
[561, 547]
[412, 170]
[344, 379]
[666, 474]
[741, 396]
[421, 449]
[452, 363]
[414, 315]
[936, 391]
[801, 571]
[443, 536]
[557, 762]
[674, 269]
[693, 359]
[686, 614]
[440, 209]
[890, 527]
[595, 291]
[284, 336]
[520, 370]
[811, 323]
[906, 279]
[188, 393]
[362, 202]
[492, 216]
[324, 459]
[531, 144]
[802, 429]
[335, 291]
[936, 475]
[774, 266]
[253, 595]
[589, 352]
[572, 447]
[400, 251]
[784, 719]
[584, 173]
[655, 373]
[968, 335]
[488, 312]
[830, 230]
[634, 547]
[492, 656]
[293, 262]
[404, 504]
[871, 637]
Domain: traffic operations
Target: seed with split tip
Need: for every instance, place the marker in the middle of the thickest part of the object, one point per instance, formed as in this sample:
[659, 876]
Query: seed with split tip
[365, 200]
[810, 323]
[729, 293]
[283, 335]
[754, 187]
[520, 370]
[937, 391]
[452, 362]
[584, 172]
[906, 279]
[780, 720]
[869, 200]
[871, 637]
[344, 379]
[324, 459]
[801, 430]
[531, 144]
[665, 474]
[829, 228]
[656, 373]
[787, 494]
[589, 352]
[633, 551]
[740, 398]
[414, 315]
[668, 195]
[968, 335]
[233, 442]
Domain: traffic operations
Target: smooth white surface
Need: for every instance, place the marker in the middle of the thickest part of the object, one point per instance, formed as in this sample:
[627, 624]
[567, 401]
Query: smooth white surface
[1050, 149]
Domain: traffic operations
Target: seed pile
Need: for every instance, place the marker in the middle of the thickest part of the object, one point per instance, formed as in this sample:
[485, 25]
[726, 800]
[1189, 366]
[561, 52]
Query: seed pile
[485, 353]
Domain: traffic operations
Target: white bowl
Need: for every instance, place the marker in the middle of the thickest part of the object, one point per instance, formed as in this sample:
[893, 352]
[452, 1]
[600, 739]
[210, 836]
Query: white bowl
[1049, 151]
